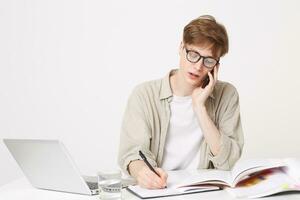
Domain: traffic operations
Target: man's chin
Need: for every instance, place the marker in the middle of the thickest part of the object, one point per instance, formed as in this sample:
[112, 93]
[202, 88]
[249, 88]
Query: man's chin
[195, 83]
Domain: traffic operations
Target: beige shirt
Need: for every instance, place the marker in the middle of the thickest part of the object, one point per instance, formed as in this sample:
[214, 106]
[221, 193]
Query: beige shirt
[147, 116]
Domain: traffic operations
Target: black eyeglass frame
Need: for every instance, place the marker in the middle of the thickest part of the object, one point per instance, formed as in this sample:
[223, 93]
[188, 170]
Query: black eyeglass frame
[200, 56]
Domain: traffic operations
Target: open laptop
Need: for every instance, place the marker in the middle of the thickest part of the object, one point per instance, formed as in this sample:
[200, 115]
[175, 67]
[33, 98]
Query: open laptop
[47, 165]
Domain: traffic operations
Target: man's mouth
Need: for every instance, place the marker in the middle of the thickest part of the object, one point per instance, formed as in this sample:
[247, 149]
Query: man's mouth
[193, 75]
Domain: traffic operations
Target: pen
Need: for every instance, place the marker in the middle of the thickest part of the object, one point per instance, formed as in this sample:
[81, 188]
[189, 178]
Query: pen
[147, 163]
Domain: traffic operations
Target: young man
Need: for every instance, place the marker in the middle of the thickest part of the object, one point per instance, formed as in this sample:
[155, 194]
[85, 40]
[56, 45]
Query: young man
[188, 119]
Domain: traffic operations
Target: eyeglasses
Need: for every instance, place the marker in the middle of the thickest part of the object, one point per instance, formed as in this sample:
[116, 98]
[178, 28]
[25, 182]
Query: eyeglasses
[194, 57]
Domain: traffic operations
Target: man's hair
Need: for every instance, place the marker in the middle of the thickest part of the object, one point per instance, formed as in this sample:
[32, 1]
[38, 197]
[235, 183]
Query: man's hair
[205, 30]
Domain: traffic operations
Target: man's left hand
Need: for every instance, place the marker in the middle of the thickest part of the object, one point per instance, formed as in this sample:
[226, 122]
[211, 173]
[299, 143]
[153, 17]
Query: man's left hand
[200, 94]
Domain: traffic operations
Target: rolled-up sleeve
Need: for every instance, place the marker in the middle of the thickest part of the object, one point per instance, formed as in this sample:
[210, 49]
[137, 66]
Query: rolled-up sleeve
[231, 133]
[135, 132]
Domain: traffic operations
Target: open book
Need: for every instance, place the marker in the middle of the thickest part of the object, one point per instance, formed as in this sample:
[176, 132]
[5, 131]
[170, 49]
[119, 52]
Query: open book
[182, 182]
[241, 170]
[269, 182]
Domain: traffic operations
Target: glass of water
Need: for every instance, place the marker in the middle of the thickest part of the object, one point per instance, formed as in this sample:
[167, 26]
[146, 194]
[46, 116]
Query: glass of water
[110, 184]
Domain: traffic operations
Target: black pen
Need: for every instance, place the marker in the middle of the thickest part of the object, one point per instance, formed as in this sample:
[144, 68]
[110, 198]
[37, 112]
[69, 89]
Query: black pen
[147, 163]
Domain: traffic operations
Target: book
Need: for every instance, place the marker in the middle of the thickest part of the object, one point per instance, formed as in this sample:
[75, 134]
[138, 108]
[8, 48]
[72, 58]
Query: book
[241, 170]
[193, 181]
[269, 182]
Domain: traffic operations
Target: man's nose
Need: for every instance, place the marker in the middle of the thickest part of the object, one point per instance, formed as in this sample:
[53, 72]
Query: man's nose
[199, 64]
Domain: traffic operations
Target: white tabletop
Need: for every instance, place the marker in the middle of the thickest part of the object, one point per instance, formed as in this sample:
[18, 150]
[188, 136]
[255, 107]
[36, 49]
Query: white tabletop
[21, 189]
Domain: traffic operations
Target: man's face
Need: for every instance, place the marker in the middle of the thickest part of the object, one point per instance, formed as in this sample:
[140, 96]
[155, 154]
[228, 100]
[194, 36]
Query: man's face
[194, 73]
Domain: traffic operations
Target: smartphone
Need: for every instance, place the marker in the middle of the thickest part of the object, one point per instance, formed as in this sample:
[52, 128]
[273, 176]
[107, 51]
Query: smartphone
[206, 80]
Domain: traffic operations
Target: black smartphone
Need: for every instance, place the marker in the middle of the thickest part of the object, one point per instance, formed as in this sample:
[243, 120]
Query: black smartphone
[206, 80]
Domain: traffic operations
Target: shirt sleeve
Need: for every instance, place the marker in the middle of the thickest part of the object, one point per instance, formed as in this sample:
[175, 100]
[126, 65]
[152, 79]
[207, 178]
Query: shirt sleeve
[135, 132]
[230, 128]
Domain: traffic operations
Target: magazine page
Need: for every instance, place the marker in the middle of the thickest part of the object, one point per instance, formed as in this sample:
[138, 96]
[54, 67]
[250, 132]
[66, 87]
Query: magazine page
[246, 167]
[268, 182]
[293, 168]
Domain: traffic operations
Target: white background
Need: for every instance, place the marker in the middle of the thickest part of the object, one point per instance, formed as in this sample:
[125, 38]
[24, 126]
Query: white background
[67, 68]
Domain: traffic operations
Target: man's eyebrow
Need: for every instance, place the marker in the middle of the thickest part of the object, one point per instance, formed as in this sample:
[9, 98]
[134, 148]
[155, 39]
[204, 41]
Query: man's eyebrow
[207, 56]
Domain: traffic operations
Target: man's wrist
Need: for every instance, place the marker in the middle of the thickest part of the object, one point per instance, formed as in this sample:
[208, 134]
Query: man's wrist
[201, 108]
[134, 166]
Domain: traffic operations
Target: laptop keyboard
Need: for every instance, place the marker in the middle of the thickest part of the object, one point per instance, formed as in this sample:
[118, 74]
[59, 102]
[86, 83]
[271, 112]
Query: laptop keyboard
[92, 185]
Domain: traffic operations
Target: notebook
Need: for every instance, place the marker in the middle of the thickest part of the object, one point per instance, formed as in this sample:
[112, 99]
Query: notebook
[174, 177]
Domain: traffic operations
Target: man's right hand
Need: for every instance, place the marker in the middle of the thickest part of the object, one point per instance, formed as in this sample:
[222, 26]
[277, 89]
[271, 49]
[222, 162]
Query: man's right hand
[147, 178]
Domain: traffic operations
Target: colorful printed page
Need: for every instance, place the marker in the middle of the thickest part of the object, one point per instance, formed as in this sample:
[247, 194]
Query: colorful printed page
[265, 183]
[244, 168]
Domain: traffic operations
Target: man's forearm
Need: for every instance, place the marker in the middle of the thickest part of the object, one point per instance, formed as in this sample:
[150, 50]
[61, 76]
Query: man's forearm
[209, 129]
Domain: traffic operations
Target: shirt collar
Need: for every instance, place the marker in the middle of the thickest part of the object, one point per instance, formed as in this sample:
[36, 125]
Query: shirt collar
[166, 90]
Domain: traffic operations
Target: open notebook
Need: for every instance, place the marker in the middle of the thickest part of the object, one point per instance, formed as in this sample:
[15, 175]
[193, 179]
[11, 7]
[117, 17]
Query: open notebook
[174, 177]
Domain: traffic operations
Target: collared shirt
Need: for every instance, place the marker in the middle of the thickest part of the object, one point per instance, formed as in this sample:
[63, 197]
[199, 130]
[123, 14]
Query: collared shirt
[147, 117]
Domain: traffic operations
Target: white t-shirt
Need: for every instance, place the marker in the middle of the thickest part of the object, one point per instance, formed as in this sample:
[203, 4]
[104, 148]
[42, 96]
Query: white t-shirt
[182, 148]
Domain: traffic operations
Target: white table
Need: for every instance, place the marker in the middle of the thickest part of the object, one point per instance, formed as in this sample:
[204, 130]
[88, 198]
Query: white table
[22, 190]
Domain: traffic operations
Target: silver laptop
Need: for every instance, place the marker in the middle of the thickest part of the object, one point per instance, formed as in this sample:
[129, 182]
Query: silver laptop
[47, 165]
